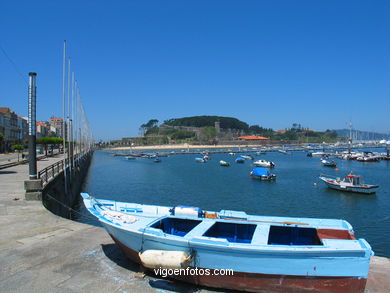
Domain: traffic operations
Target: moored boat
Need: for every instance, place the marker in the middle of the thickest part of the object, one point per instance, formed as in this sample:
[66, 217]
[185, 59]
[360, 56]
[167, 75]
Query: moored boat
[247, 157]
[224, 163]
[200, 160]
[262, 174]
[351, 183]
[264, 254]
[130, 158]
[240, 160]
[328, 163]
[264, 163]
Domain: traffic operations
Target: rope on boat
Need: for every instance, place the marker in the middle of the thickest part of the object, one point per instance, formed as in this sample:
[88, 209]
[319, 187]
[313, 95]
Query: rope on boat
[73, 210]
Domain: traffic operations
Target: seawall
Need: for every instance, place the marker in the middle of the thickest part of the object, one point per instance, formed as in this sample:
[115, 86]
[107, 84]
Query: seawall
[61, 193]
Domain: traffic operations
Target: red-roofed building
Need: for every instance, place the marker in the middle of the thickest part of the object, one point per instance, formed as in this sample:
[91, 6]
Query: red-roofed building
[58, 124]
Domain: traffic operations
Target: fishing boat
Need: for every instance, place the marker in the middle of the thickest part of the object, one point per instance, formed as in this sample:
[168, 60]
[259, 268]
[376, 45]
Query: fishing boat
[224, 163]
[264, 163]
[350, 183]
[262, 174]
[261, 253]
[240, 160]
[328, 163]
[200, 160]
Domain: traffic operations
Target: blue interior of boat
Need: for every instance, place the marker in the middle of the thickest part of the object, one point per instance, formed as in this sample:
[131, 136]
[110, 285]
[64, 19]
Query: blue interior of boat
[281, 235]
[175, 226]
[232, 232]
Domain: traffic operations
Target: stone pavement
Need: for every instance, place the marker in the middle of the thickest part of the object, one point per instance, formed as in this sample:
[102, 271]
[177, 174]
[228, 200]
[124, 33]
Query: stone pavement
[41, 252]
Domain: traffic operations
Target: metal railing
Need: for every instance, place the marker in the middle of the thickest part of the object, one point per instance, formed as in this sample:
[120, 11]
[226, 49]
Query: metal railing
[49, 173]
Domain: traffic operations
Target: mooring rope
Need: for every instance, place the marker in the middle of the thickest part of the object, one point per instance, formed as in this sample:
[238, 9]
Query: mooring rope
[71, 209]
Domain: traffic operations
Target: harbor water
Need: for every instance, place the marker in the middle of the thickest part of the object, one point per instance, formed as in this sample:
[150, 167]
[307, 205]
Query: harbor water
[297, 191]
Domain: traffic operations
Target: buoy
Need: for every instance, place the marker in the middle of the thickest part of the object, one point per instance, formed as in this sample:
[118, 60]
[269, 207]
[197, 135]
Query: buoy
[337, 169]
[314, 184]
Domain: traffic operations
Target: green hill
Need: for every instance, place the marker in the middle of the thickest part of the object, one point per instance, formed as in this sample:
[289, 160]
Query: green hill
[202, 121]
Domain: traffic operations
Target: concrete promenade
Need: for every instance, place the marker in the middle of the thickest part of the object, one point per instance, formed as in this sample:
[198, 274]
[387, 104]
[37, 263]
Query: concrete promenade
[41, 252]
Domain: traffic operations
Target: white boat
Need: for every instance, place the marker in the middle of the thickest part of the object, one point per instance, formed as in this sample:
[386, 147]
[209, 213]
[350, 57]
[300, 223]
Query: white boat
[247, 157]
[264, 163]
[351, 183]
[318, 154]
[284, 152]
[224, 163]
[200, 160]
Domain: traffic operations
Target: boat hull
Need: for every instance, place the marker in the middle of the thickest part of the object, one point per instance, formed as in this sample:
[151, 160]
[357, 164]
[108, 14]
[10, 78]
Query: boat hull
[255, 282]
[264, 177]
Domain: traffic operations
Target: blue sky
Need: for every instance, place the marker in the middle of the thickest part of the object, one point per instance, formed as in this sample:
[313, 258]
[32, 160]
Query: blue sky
[272, 63]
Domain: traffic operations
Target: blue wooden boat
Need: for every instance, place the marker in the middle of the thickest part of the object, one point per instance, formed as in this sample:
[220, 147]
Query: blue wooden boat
[262, 254]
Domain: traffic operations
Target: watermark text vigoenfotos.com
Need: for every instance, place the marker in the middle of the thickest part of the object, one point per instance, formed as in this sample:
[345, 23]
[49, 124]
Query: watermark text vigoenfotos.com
[165, 272]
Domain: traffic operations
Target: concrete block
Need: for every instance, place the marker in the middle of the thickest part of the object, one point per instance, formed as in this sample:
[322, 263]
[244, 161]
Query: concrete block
[33, 185]
[34, 195]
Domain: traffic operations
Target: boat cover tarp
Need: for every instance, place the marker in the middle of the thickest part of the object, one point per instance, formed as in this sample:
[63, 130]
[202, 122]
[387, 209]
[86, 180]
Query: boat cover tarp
[260, 171]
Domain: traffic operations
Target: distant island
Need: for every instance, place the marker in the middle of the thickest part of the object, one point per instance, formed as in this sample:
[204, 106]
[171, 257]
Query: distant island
[221, 130]
[217, 130]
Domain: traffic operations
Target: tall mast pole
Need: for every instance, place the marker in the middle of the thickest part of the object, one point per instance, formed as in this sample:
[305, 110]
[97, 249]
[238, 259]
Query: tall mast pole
[63, 112]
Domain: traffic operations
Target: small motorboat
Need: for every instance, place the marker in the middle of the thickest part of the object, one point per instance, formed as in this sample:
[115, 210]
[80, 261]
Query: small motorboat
[264, 163]
[262, 174]
[318, 154]
[284, 152]
[130, 158]
[328, 163]
[261, 253]
[200, 160]
[157, 160]
[231, 154]
[240, 160]
[351, 183]
[224, 163]
[247, 157]
[368, 158]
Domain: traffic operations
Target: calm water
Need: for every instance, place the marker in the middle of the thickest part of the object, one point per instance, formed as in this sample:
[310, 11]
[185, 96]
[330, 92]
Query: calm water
[178, 179]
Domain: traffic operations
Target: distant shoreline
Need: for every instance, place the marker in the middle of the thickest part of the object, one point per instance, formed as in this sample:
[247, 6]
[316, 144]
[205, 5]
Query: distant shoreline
[181, 146]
